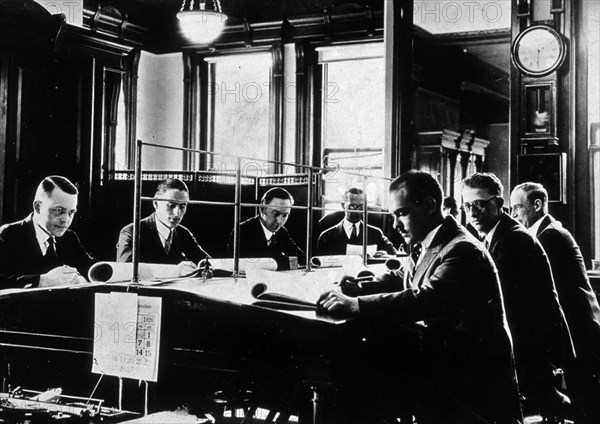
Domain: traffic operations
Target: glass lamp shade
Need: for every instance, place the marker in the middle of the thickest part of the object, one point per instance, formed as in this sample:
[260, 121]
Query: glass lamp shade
[201, 26]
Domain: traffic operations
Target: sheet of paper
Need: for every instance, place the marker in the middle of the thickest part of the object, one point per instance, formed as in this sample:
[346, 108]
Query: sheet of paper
[244, 264]
[127, 335]
[355, 249]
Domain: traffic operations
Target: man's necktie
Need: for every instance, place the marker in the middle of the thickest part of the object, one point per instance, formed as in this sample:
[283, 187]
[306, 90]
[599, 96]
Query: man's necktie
[353, 233]
[412, 262]
[51, 250]
[168, 242]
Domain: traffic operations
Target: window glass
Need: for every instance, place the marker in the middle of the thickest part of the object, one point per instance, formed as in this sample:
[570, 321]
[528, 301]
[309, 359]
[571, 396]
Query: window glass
[353, 110]
[239, 117]
[121, 136]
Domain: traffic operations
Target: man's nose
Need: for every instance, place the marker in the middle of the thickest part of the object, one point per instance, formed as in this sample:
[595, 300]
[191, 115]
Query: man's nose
[398, 225]
[472, 213]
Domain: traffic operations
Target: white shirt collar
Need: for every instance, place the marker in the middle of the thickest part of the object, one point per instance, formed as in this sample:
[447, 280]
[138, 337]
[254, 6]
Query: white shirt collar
[268, 233]
[429, 238]
[348, 226]
[42, 237]
[535, 227]
[163, 231]
[488, 237]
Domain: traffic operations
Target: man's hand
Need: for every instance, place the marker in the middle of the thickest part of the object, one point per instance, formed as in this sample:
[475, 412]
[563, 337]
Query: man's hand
[61, 276]
[186, 267]
[338, 303]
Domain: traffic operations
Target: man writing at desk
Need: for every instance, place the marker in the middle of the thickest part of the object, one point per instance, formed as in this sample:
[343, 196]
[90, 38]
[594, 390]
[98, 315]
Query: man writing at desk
[163, 240]
[40, 250]
[335, 240]
[264, 236]
[463, 373]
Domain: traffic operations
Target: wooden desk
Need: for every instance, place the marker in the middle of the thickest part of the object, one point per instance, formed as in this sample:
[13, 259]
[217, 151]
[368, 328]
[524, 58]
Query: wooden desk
[212, 338]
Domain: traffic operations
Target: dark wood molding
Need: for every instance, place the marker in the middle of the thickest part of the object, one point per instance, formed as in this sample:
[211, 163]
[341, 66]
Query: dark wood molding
[276, 93]
[108, 22]
[335, 27]
[399, 82]
[191, 118]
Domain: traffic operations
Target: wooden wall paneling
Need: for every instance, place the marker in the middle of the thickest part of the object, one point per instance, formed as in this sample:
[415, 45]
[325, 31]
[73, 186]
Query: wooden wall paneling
[276, 93]
[4, 58]
[399, 131]
[191, 106]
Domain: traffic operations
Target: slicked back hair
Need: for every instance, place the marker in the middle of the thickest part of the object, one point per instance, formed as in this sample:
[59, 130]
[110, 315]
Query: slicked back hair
[170, 184]
[484, 181]
[352, 190]
[418, 185]
[451, 205]
[533, 191]
[48, 184]
[276, 193]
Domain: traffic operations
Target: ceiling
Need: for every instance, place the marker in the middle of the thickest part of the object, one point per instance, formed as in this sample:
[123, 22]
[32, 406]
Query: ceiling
[152, 12]
[481, 29]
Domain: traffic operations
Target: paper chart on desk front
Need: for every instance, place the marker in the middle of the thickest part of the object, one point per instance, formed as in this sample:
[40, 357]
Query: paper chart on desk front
[127, 335]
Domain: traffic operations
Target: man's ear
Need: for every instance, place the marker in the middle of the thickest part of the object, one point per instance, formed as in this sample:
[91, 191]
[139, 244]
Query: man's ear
[500, 201]
[37, 206]
[155, 204]
[537, 204]
[430, 204]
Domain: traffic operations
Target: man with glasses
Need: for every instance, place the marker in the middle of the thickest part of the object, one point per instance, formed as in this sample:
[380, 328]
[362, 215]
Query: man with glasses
[462, 370]
[40, 250]
[349, 231]
[163, 240]
[529, 203]
[542, 343]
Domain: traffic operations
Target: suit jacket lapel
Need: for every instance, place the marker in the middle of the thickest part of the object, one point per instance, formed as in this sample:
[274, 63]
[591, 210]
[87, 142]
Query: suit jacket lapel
[32, 236]
[150, 225]
[422, 267]
[499, 233]
[440, 240]
[544, 224]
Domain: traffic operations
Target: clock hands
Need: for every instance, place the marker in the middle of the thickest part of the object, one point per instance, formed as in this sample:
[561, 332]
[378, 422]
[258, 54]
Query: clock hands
[539, 51]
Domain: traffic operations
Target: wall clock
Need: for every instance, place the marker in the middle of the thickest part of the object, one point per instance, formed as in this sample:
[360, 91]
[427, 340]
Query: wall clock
[539, 50]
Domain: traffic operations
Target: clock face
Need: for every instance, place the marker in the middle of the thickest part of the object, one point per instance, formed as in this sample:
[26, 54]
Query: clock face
[539, 50]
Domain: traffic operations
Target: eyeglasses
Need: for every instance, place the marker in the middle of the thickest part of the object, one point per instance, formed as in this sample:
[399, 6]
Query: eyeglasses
[477, 205]
[354, 207]
[58, 211]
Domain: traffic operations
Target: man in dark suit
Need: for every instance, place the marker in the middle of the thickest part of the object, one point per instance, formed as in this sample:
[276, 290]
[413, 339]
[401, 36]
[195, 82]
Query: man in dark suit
[464, 372]
[264, 236]
[163, 240]
[541, 338]
[40, 250]
[529, 203]
[334, 240]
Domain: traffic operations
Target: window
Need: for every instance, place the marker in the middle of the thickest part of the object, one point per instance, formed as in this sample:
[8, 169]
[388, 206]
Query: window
[240, 111]
[159, 110]
[353, 110]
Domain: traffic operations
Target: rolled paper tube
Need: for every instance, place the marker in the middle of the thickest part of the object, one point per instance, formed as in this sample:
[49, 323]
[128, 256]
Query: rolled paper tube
[109, 272]
[365, 273]
[392, 264]
[245, 263]
[333, 261]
